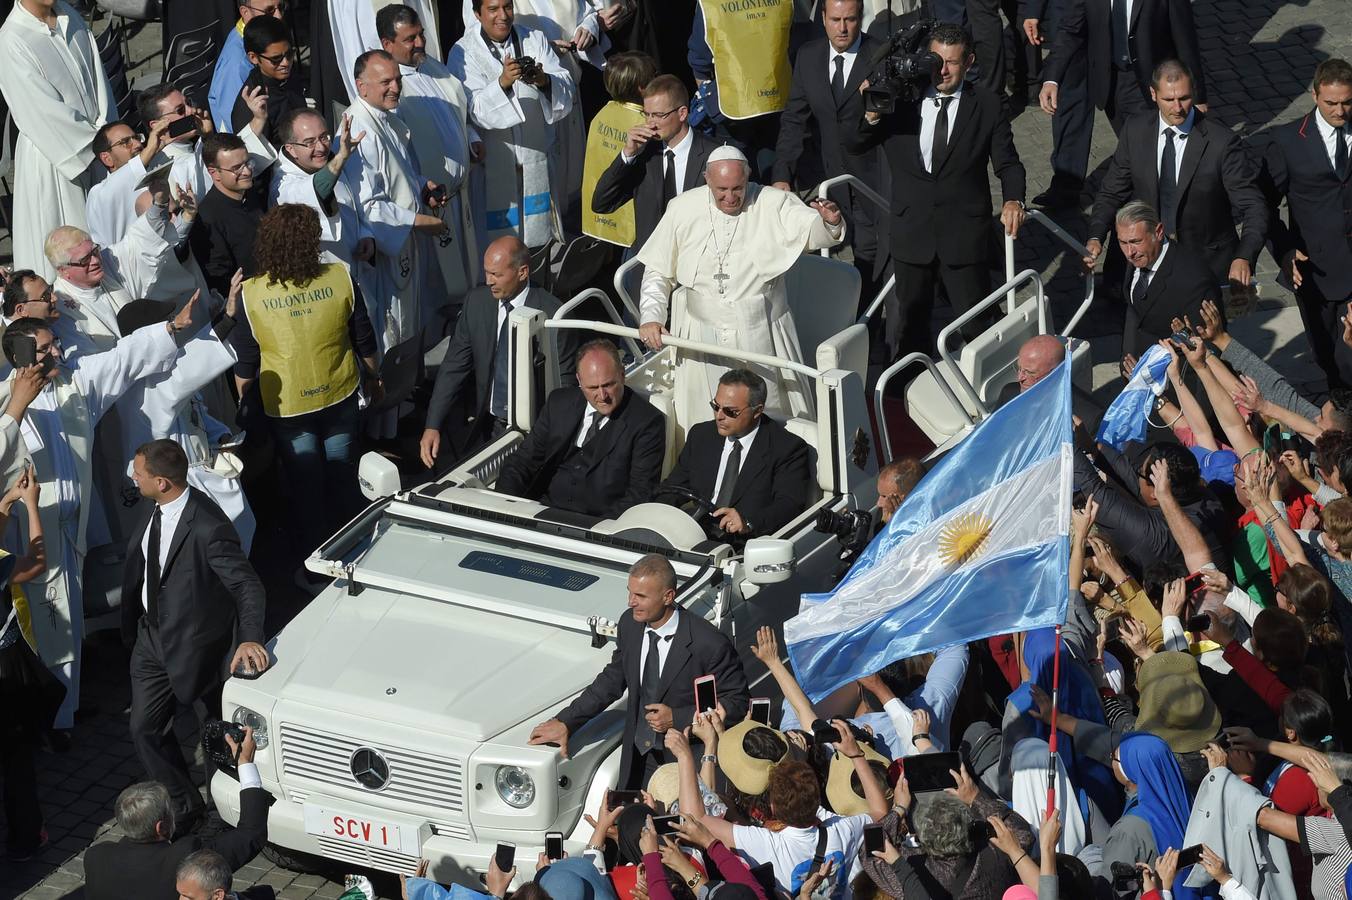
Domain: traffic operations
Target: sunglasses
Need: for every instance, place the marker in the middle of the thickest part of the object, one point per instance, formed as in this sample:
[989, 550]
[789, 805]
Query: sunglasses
[277, 60]
[731, 412]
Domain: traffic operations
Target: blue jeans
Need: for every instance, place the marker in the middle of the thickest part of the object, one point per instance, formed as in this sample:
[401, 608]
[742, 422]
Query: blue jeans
[318, 452]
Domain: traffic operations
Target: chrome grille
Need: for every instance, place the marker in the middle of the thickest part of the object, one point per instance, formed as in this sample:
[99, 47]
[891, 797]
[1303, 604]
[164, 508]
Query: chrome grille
[369, 857]
[430, 781]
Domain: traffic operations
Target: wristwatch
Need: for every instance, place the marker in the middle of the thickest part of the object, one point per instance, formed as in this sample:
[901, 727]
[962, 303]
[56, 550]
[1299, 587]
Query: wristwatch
[708, 757]
[693, 881]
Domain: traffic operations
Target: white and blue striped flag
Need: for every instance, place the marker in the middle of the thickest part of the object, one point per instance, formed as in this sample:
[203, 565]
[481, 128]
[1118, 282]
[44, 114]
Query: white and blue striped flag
[1125, 418]
[979, 548]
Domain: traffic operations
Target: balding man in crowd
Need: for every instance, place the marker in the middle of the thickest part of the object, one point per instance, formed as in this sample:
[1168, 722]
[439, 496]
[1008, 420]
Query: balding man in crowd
[896, 480]
[1038, 357]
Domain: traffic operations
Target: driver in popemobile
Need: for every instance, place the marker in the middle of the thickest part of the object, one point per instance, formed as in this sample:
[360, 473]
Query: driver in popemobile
[745, 473]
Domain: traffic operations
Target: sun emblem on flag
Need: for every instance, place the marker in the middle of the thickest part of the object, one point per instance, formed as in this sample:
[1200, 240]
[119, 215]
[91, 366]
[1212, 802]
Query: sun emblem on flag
[963, 538]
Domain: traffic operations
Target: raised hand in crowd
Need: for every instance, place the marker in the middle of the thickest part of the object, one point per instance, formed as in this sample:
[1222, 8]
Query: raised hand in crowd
[236, 289]
[256, 99]
[1134, 635]
[25, 386]
[1215, 866]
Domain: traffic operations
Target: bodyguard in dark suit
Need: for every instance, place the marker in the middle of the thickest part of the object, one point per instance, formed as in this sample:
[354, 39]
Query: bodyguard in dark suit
[1123, 41]
[1195, 171]
[144, 861]
[1072, 116]
[474, 372]
[192, 609]
[756, 475]
[1166, 280]
[662, 159]
[1306, 163]
[596, 449]
[938, 149]
[659, 652]
[824, 94]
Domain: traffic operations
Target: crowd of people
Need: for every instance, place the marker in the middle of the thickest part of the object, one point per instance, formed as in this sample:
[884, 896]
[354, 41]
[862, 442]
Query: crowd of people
[212, 275]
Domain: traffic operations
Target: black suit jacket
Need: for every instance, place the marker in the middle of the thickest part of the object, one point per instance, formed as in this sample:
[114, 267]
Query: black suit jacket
[1183, 281]
[955, 202]
[1217, 183]
[772, 486]
[618, 469]
[697, 648]
[1297, 168]
[211, 599]
[469, 358]
[1160, 30]
[641, 181]
[115, 870]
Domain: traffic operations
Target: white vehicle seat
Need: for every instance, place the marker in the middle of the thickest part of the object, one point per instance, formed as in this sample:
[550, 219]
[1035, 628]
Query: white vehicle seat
[667, 407]
[987, 362]
[823, 295]
[846, 350]
[807, 430]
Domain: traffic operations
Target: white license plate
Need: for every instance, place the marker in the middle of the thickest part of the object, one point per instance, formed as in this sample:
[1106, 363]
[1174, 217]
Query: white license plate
[385, 834]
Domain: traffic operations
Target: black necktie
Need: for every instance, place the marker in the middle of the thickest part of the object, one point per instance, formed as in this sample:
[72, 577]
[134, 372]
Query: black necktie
[593, 428]
[940, 147]
[499, 393]
[730, 471]
[153, 569]
[1340, 151]
[1168, 198]
[669, 180]
[1121, 29]
[838, 79]
[1142, 286]
[644, 736]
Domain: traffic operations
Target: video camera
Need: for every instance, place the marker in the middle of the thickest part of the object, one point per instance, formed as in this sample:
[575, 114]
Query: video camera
[901, 69]
[853, 529]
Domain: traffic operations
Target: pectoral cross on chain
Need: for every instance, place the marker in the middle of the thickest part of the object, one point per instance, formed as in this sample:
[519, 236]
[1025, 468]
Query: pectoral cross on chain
[722, 279]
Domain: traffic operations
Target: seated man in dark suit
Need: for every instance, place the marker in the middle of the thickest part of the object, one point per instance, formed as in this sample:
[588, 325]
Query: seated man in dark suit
[148, 857]
[756, 474]
[659, 652]
[473, 377]
[596, 449]
[1165, 281]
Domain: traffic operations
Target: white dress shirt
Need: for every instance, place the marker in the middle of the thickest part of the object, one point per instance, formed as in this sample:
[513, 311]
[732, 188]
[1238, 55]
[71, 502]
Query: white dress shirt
[929, 117]
[666, 633]
[602, 422]
[746, 441]
[680, 153]
[848, 55]
[1181, 133]
[170, 513]
[1154, 269]
[516, 303]
[1330, 134]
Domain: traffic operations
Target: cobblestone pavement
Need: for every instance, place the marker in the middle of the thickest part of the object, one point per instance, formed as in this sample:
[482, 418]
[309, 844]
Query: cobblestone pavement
[1259, 57]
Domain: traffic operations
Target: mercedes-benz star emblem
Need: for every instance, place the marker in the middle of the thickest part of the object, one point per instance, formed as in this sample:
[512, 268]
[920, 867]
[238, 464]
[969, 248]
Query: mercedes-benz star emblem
[370, 768]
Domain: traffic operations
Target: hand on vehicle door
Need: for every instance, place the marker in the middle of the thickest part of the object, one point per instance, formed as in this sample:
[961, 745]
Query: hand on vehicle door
[551, 732]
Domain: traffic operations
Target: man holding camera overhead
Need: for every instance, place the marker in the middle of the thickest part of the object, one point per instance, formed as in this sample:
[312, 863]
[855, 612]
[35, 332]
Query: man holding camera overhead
[937, 148]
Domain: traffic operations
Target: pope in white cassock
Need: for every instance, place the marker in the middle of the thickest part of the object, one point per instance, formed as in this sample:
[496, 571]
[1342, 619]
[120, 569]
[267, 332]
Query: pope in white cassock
[516, 111]
[57, 432]
[716, 261]
[53, 80]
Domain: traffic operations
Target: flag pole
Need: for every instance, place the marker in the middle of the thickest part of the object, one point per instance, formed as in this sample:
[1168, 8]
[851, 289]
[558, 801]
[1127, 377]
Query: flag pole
[1051, 742]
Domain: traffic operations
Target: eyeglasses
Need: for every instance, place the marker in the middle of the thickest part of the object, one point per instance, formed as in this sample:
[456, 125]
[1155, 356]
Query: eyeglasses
[129, 140]
[234, 170]
[44, 297]
[731, 412]
[660, 116]
[84, 261]
[309, 143]
[269, 10]
[277, 60]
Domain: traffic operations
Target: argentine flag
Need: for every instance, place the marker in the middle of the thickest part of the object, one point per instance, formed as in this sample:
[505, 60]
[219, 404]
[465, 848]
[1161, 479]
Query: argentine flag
[1125, 417]
[979, 548]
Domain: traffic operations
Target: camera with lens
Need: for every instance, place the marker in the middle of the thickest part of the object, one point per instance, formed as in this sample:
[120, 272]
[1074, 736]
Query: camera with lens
[530, 69]
[853, 528]
[901, 69]
[214, 732]
[1126, 877]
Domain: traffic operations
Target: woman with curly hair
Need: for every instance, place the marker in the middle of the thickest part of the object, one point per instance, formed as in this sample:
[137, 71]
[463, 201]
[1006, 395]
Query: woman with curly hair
[305, 341]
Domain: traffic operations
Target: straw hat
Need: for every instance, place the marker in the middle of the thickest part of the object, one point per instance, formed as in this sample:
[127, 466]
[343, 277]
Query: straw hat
[1175, 705]
[844, 800]
[749, 774]
[665, 785]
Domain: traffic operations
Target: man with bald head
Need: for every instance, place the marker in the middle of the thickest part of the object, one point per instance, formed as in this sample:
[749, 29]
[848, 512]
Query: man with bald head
[723, 248]
[469, 400]
[596, 449]
[1038, 357]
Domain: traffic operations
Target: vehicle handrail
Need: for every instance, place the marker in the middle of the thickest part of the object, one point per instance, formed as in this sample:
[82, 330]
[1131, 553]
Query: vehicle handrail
[1065, 237]
[625, 268]
[878, 300]
[994, 297]
[761, 359]
[635, 348]
[877, 199]
[879, 391]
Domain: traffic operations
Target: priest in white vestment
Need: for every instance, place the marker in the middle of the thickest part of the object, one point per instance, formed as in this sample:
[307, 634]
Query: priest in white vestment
[523, 181]
[57, 432]
[716, 261]
[432, 103]
[354, 31]
[110, 208]
[312, 170]
[53, 81]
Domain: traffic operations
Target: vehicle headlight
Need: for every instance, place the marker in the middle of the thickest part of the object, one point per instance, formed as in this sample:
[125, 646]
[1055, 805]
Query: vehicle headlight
[515, 786]
[250, 719]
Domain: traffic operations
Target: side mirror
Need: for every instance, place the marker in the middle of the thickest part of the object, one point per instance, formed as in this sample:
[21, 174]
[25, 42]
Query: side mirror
[768, 560]
[378, 476]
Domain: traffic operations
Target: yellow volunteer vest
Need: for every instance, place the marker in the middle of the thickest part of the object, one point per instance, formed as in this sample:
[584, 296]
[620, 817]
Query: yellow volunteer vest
[605, 140]
[750, 44]
[307, 359]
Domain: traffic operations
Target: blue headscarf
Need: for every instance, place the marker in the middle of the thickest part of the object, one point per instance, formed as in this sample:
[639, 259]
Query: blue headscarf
[1161, 795]
[1077, 696]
